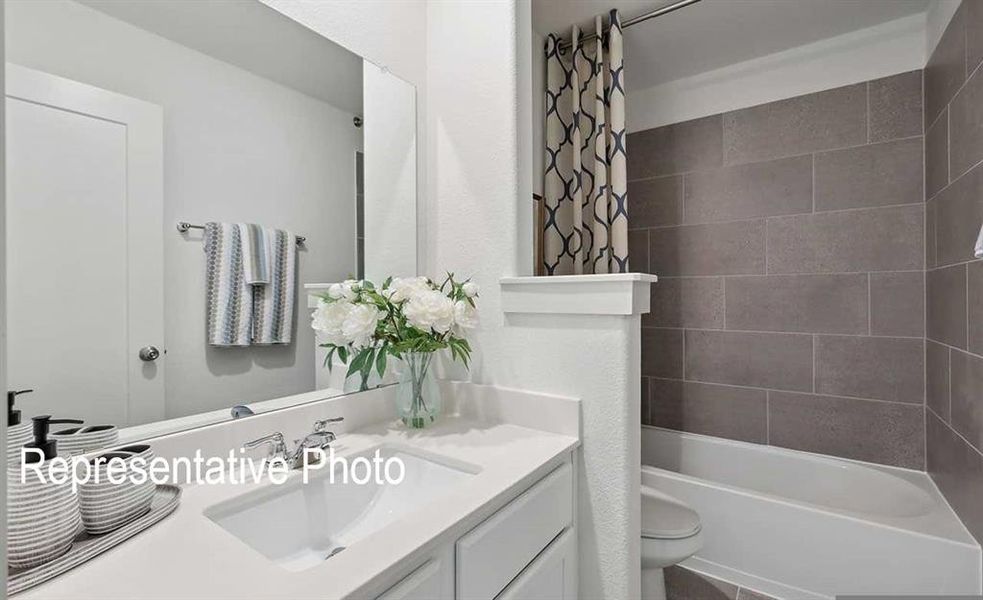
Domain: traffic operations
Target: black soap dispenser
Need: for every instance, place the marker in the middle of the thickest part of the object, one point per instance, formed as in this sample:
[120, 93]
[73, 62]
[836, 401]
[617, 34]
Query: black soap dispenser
[13, 416]
[48, 448]
[18, 433]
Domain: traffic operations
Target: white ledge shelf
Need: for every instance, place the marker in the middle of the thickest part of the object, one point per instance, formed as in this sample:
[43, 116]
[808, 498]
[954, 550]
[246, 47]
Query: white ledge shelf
[608, 294]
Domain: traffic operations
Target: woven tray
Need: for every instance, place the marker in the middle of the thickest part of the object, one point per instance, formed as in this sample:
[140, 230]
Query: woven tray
[87, 547]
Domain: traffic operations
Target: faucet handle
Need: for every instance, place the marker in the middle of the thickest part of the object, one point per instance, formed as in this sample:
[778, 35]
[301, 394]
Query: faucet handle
[320, 425]
[278, 447]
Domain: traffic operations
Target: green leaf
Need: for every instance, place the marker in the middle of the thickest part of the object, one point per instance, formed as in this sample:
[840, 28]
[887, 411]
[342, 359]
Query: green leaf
[380, 361]
[357, 363]
[343, 354]
[366, 367]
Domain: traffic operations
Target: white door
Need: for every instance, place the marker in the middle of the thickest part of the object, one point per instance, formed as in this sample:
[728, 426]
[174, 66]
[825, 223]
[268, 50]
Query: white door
[84, 250]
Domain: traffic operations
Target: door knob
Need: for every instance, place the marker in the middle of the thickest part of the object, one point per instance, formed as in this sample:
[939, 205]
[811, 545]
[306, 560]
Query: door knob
[149, 353]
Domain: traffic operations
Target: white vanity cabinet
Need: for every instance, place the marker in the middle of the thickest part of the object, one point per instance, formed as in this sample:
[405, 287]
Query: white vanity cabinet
[525, 550]
[433, 580]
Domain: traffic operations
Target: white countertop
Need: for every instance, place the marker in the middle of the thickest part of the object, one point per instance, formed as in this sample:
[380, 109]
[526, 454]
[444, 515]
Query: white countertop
[189, 556]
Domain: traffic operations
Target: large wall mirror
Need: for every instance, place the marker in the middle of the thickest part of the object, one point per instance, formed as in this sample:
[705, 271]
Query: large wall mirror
[180, 177]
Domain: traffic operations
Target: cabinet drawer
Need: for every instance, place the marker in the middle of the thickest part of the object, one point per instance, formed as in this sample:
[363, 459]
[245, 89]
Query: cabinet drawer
[493, 553]
[552, 576]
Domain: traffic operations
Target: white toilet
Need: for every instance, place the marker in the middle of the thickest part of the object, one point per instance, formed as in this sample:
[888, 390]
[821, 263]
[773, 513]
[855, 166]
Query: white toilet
[670, 534]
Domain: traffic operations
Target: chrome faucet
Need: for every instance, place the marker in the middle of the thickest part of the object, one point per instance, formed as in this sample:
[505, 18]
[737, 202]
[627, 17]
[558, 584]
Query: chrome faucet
[241, 410]
[320, 438]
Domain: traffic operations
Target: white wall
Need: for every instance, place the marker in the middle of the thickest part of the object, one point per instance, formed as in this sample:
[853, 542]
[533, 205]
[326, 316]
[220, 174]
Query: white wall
[390, 213]
[538, 85]
[886, 49]
[392, 34]
[236, 148]
[479, 184]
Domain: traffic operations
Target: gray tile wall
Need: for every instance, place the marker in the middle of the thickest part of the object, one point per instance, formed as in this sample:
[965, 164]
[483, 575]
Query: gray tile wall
[954, 279]
[789, 239]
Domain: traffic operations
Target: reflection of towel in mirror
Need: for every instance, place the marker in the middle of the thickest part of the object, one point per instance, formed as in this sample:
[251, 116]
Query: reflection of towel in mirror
[229, 301]
[273, 304]
[255, 253]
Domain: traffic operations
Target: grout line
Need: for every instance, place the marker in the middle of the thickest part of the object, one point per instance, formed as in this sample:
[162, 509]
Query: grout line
[723, 293]
[951, 181]
[948, 145]
[956, 348]
[956, 433]
[926, 127]
[870, 308]
[925, 438]
[867, 109]
[683, 352]
[682, 199]
[813, 364]
[768, 417]
[813, 183]
[648, 251]
[781, 391]
[821, 274]
[965, 81]
[948, 398]
[773, 159]
[786, 216]
[766, 246]
[798, 333]
[966, 322]
[956, 264]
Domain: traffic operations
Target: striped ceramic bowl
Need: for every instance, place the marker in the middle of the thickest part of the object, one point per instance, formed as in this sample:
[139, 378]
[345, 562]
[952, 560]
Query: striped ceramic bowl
[106, 505]
[17, 436]
[43, 519]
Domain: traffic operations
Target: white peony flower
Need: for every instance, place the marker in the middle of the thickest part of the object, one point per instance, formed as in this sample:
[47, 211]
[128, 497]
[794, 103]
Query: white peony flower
[360, 323]
[465, 315]
[401, 289]
[329, 318]
[470, 289]
[343, 291]
[430, 310]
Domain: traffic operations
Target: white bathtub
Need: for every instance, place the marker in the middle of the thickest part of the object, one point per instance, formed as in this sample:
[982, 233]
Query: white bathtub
[799, 526]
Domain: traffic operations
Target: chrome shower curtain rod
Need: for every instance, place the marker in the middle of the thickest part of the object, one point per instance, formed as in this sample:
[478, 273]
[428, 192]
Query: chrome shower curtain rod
[664, 10]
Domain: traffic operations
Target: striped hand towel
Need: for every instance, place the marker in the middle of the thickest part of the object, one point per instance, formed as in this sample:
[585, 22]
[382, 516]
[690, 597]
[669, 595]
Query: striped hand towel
[273, 304]
[229, 300]
[255, 253]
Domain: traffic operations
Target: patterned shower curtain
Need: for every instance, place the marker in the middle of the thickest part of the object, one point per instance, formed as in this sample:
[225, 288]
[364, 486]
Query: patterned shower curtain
[585, 227]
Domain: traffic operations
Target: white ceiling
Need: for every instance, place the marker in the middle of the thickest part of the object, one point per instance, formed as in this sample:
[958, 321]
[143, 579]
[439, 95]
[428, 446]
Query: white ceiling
[715, 33]
[254, 37]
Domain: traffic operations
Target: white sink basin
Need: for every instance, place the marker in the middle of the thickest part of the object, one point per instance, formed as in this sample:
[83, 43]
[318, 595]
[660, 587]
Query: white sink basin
[298, 526]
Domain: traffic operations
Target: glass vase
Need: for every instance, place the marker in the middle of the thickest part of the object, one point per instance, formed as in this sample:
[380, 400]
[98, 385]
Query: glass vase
[417, 396]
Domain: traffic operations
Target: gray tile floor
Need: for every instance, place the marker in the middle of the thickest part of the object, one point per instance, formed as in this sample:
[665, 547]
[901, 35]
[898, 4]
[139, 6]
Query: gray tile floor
[683, 584]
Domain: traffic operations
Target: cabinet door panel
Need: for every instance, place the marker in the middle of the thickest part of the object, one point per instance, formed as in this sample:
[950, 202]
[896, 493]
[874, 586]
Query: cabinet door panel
[496, 551]
[552, 576]
[433, 580]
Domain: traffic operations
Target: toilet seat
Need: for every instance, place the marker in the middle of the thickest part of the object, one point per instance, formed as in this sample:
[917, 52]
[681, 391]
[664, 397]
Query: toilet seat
[665, 518]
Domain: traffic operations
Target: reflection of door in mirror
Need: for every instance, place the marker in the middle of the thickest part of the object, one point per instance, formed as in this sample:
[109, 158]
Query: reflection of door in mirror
[255, 129]
[84, 260]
